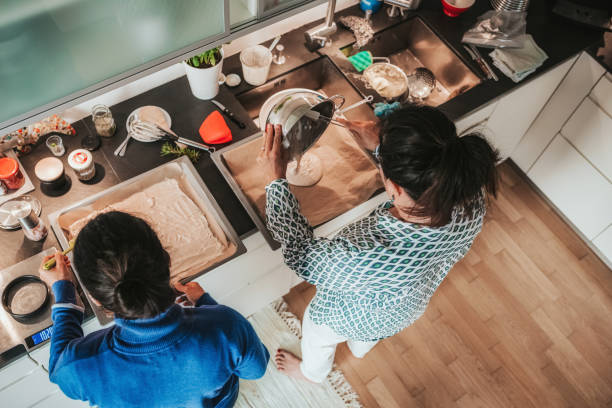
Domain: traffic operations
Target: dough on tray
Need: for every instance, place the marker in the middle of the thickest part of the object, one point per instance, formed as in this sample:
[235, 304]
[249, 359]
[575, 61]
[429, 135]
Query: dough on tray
[179, 223]
[309, 173]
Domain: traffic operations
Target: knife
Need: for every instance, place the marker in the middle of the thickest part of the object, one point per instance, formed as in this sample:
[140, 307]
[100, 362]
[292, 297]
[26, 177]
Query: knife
[229, 114]
[473, 52]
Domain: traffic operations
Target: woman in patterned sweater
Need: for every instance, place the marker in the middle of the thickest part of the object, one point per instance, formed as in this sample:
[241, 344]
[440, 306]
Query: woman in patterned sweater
[377, 275]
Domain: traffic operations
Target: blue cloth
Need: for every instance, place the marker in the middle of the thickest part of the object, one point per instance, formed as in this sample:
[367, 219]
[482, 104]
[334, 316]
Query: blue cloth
[185, 357]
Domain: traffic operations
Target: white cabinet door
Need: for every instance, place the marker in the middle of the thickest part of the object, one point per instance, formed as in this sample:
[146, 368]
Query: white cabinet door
[575, 86]
[590, 131]
[576, 188]
[515, 112]
[602, 93]
[603, 242]
[475, 118]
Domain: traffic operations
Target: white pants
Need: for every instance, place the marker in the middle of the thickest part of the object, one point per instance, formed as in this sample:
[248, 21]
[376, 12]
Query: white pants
[319, 347]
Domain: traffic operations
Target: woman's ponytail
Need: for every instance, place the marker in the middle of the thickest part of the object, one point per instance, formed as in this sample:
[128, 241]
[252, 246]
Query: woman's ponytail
[421, 152]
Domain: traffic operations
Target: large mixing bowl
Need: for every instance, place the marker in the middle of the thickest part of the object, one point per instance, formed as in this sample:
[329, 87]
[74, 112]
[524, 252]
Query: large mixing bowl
[290, 109]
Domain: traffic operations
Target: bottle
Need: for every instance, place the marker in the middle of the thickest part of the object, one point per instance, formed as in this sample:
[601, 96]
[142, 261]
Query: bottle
[33, 227]
[370, 7]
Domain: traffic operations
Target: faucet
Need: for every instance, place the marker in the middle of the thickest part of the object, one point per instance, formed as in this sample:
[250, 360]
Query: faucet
[318, 36]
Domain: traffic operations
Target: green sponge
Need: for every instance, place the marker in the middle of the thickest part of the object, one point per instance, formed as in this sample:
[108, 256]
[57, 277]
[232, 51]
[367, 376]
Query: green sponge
[361, 60]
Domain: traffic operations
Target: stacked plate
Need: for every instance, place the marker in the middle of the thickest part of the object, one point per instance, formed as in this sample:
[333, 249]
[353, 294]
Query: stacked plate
[510, 5]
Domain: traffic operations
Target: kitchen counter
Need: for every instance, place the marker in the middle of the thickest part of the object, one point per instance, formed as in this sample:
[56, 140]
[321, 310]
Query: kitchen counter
[559, 38]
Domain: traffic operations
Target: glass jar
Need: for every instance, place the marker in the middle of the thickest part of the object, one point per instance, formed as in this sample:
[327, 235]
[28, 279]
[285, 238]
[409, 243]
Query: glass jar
[81, 161]
[103, 120]
[10, 173]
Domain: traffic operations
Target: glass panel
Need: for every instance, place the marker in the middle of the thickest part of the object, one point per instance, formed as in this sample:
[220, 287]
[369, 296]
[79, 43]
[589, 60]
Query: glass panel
[50, 49]
[274, 6]
[242, 11]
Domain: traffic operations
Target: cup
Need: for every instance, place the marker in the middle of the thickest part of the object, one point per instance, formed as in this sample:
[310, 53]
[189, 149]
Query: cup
[56, 145]
[454, 8]
[256, 63]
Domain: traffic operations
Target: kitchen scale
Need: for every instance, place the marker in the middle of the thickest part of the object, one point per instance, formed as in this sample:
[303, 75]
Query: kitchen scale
[25, 315]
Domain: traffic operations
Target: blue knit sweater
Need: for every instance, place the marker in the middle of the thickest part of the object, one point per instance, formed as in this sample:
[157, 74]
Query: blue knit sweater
[185, 357]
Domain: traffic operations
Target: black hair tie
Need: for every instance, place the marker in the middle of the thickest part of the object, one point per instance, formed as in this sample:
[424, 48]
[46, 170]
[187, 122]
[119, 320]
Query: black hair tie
[17, 282]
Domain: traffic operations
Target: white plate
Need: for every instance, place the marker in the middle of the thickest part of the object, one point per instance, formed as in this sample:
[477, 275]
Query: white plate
[141, 138]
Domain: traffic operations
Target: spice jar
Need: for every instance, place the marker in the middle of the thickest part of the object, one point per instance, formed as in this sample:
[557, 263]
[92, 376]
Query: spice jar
[81, 161]
[33, 227]
[10, 173]
[103, 120]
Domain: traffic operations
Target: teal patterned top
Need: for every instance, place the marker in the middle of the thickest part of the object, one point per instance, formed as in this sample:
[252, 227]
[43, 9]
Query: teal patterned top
[376, 276]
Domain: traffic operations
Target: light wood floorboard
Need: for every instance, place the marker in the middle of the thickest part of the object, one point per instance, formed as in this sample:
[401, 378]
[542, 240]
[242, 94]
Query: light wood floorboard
[524, 320]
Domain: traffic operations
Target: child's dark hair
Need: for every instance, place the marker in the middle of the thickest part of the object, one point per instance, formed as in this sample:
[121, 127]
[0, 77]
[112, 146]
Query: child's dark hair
[122, 264]
[421, 152]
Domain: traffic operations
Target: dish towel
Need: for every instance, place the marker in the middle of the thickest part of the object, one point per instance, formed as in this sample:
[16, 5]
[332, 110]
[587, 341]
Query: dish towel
[517, 63]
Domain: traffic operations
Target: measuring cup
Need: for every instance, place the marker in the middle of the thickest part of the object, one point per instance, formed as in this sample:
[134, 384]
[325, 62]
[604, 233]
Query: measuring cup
[256, 61]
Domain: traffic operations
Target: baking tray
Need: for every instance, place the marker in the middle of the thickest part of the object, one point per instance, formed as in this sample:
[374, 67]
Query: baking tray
[191, 184]
[217, 158]
[314, 212]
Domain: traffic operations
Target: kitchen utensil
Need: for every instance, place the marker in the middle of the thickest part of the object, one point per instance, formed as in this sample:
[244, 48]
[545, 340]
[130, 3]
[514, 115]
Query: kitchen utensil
[421, 84]
[510, 5]
[229, 113]
[134, 116]
[120, 150]
[256, 61]
[51, 262]
[267, 106]
[365, 100]
[151, 130]
[214, 130]
[454, 8]
[388, 80]
[317, 116]
[484, 66]
[12, 291]
[7, 220]
[274, 42]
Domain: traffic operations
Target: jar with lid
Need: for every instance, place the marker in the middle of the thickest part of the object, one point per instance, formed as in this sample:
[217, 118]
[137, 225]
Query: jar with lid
[10, 173]
[103, 120]
[81, 161]
[33, 227]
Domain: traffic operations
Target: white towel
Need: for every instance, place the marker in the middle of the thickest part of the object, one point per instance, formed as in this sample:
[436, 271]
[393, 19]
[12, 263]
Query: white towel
[517, 63]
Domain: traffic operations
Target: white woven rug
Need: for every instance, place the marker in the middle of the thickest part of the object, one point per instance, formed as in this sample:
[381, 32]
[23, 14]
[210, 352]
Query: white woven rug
[277, 327]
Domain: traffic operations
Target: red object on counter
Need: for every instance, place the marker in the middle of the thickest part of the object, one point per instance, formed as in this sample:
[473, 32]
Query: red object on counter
[10, 173]
[214, 130]
[454, 10]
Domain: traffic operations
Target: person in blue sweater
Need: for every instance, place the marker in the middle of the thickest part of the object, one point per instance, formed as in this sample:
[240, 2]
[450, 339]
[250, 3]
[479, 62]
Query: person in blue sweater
[158, 353]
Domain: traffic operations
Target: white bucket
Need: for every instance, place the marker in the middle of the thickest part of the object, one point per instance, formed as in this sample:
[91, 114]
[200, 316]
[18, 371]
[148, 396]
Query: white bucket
[256, 62]
[204, 82]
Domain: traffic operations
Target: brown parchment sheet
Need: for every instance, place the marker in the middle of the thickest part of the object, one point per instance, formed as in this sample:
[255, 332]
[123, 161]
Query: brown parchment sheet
[349, 176]
[192, 264]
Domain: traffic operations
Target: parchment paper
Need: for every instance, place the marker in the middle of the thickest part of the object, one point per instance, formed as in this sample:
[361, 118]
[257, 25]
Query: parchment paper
[189, 269]
[349, 176]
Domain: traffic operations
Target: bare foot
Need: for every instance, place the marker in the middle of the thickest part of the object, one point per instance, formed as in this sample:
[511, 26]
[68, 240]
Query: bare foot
[289, 364]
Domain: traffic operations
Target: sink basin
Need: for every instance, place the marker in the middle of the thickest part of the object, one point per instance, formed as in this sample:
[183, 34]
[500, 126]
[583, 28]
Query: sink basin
[409, 45]
[319, 75]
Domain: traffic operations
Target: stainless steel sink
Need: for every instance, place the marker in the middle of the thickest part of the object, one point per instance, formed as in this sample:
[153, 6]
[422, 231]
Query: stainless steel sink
[320, 74]
[409, 45]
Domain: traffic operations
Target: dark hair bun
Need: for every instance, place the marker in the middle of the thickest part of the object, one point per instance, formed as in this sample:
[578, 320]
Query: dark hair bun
[421, 152]
[123, 265]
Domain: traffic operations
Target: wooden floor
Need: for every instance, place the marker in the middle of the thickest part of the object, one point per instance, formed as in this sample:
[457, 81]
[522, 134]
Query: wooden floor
[524, 320]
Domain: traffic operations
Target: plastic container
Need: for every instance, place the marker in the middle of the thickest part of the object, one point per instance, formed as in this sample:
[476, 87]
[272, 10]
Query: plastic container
[454, 8]
[81, 161]
[10, 173]
[256, 63]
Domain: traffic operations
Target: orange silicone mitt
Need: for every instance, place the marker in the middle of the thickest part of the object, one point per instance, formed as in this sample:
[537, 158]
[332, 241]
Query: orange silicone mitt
[214, 130]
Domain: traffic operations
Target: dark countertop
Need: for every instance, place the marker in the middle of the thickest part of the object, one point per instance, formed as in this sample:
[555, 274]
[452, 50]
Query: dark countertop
[560, 39]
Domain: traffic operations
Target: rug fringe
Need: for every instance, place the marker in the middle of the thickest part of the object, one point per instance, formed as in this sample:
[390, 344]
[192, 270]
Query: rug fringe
[336, 378]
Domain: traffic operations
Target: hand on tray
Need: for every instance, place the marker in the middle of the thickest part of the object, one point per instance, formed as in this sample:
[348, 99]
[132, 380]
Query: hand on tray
[273, 158]
[192, 291]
